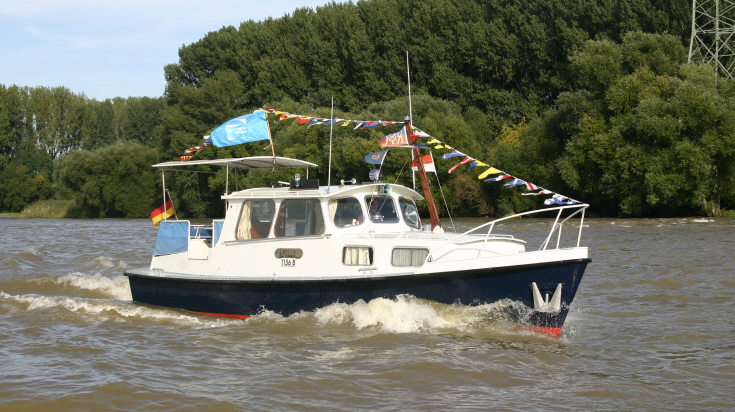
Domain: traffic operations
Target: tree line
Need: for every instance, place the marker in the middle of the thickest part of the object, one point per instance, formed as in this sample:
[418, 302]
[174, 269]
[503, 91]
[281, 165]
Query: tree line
[44, 129]
[594, 100]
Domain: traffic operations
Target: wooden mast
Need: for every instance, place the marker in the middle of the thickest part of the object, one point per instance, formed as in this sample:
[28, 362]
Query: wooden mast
[422, 176]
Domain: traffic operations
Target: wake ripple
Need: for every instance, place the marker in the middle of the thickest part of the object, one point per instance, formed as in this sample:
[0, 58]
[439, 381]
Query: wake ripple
[103, 309]
[408, 314]
[109, 297]
[116, 287]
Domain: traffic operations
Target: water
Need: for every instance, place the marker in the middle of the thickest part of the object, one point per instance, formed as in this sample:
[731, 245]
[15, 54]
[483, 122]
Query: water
[651, 328]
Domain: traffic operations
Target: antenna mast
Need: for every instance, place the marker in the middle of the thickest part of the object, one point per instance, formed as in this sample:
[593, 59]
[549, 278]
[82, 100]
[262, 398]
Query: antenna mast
[410, 113]
[415, 154]
[331, 127]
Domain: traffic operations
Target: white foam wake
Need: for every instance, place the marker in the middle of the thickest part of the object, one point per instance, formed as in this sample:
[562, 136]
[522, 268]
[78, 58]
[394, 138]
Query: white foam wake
[116, 287]
[101, 307]
[407, 314]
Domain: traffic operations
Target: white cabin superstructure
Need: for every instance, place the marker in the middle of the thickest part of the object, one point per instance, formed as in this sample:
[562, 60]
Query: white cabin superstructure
[325, 233]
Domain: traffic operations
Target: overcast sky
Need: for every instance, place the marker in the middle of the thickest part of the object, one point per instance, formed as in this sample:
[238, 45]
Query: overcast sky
[107, 48]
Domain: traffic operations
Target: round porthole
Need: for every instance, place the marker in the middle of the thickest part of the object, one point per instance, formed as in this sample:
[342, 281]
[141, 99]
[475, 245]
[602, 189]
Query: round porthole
[412, 215]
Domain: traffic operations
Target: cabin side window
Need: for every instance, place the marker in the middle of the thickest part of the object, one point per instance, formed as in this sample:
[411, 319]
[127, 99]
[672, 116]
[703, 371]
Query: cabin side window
[410, 213]
[299, 217]
[357, 255]
[255, 221]
[381, 209]
[346, 212]
[409, 256]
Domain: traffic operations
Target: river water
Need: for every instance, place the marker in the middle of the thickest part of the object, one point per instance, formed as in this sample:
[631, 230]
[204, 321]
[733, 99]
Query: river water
[652, 327]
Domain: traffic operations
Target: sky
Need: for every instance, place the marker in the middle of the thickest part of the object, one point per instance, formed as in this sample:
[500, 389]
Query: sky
[113, 48]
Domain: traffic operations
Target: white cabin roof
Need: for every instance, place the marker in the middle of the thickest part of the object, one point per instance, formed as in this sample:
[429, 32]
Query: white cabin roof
[323, 192]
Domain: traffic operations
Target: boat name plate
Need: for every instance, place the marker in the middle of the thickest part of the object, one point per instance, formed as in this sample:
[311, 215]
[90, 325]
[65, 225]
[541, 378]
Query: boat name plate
[282, 253]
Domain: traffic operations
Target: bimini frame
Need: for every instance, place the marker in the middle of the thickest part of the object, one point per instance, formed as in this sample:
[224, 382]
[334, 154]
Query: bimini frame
[239, 163]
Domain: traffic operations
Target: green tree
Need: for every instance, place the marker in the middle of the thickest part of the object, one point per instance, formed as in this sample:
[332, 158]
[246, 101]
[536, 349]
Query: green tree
[116, 181]
[19, 187]
[57, 119]
[12, 128]
[509, 59]
[142, 120]
[644, 133]
[102, 125]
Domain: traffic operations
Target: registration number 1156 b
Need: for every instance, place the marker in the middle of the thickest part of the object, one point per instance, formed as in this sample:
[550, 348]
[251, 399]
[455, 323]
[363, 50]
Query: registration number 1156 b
[288, 262]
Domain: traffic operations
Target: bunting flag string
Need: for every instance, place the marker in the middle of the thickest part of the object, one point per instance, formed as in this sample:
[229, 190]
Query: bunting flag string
[542, 192]
[400, 139]
[531, 188]
[490, 171]
[464, 161]
[498, 178]
[315, 121]
[453, 154]
[190, 152]
[515, 182]
[558, 199]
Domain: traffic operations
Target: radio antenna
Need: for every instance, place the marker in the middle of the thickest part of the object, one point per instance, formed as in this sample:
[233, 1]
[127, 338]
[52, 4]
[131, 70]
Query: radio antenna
[410, 116]
[331, 127]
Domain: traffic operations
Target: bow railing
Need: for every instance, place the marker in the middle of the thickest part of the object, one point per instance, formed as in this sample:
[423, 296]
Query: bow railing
[556, 228]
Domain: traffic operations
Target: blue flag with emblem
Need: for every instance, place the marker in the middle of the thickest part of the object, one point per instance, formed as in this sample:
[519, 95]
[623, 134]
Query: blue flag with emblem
[243, 129]
[375, 158]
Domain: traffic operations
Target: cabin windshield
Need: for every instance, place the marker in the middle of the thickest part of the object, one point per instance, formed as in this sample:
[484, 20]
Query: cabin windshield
[381, 209]
[299, 217]
[346, 212]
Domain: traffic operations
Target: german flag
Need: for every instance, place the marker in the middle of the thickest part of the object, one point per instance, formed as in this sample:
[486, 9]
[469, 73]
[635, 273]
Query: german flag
[159, 211]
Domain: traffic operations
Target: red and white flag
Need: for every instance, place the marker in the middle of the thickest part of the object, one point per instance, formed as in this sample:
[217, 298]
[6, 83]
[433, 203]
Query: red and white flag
[428, 162]
[398, 138]
[464, 161]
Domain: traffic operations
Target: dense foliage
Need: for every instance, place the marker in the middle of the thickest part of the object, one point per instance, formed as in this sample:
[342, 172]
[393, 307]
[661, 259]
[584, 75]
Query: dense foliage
[40, 127]
[590, 99]
[641, 133]
[502, 57]
[111, 181]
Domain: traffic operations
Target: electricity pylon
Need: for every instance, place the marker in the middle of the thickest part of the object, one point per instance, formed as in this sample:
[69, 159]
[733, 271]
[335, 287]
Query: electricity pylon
[713, 35]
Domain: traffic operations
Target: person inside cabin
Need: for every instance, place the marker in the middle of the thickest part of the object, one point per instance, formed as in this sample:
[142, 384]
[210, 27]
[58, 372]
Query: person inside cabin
[381, 209]
[374, 210]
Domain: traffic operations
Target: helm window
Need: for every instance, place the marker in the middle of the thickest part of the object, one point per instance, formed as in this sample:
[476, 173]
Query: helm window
[381, 209]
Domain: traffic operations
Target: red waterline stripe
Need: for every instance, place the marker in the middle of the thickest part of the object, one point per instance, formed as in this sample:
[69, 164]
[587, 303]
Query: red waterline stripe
[224, 315]
[555, 332]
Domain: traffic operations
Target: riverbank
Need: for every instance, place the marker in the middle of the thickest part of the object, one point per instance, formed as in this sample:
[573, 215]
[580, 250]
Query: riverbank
[50, 209]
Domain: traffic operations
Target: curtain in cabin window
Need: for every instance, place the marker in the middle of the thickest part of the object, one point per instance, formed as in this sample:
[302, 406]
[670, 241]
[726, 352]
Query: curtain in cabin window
[333, 209]
[244, 225]
[356, 255]
[409, 257]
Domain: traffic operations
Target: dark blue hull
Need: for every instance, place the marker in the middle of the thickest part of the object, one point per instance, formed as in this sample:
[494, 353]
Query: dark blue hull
[246, 298]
